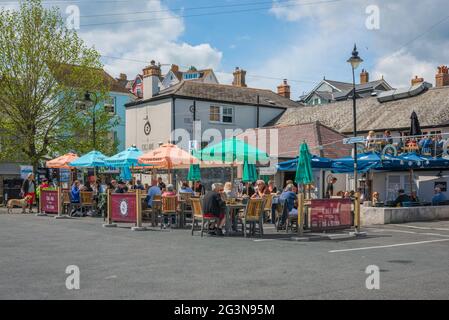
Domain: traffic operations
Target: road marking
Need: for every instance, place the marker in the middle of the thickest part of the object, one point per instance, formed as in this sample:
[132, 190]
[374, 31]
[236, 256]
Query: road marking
[389, 246]
[420, 228]
[393, 230]
[264, 240]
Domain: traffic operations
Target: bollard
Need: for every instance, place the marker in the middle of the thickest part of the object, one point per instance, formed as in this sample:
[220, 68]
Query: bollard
[138, 226]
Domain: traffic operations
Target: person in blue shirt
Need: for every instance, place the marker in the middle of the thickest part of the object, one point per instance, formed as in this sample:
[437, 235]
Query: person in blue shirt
[289, 197]
[438, 197]
[185, 188]
[76, 192]
[154, 190]
[138, 185]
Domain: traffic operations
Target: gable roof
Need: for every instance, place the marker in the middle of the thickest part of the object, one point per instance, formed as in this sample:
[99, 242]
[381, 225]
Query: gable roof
[322, 140]
[222, 93]
[432, 108]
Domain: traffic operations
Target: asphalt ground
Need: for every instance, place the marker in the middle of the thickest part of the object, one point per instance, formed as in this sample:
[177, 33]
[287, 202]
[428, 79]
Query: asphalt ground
[117, 263]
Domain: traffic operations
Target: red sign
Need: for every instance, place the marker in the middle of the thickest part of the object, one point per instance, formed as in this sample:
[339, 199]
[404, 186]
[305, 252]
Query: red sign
[123, 207]
[49, 201]
[330, 214]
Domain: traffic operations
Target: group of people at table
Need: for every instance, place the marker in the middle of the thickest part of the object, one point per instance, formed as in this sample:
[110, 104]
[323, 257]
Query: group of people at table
[427, 144]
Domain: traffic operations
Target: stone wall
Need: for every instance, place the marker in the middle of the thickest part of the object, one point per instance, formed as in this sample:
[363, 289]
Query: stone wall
[371, 216]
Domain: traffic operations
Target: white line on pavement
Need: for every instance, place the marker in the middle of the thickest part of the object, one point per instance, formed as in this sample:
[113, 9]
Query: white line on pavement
[389, 246]
[421, 228]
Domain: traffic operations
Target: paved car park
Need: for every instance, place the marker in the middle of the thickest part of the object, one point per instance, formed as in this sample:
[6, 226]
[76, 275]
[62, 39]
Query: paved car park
[117, 263]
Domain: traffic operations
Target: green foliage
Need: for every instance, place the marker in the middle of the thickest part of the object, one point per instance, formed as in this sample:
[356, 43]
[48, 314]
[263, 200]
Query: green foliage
[45, 69]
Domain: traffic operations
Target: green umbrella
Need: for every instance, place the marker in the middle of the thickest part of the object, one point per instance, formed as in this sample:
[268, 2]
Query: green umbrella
[194, 173]
[249, 172]
[232, 150]
[304, 173]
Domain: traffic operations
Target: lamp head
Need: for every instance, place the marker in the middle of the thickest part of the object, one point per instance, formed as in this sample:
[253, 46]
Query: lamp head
[355, 60]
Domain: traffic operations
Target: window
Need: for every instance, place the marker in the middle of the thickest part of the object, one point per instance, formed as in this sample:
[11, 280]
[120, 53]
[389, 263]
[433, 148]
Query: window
[109, 105]
[395, 182]
[189, 76]
[221, 114]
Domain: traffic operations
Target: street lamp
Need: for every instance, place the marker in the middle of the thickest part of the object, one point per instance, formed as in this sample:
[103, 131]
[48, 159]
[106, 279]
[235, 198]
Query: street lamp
[89, 103]
[355, 61]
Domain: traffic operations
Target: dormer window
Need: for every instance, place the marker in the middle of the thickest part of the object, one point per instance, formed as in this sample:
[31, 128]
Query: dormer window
[190, 76]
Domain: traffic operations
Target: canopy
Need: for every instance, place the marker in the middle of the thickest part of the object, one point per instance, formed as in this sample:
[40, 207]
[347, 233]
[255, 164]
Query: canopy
[249, 172]
[90, 160]
[317, 163]
[304, 175]
[194, 173]
[365, 162]
[231, 151]
[126, 158]
[168, 156]
[62, 162]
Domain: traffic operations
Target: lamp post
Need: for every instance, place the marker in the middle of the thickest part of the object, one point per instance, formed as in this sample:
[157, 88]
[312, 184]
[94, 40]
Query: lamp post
[354, 61]
[89, 103]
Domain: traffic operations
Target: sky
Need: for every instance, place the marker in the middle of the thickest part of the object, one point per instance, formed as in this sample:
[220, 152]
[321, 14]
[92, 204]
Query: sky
[299, 40]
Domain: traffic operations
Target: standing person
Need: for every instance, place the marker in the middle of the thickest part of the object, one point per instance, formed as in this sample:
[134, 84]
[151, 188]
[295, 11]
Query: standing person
[214, 206]
[330, 188]
[29, 189]
[75, 193]
[161, 184]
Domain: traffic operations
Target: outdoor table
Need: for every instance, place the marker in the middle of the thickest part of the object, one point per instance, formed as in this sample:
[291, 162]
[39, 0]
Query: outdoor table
[181, 221]
[229, 208]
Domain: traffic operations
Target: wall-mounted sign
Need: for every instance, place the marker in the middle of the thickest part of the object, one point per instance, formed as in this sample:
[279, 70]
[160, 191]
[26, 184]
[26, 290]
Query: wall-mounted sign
[25, 171]
[147, 128]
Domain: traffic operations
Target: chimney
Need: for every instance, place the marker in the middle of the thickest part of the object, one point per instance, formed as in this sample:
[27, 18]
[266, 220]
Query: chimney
[123, 76]
[417, 80]
[364, 77]
[284, 89]
[174, 68]
[239, 77]
[151, 75]
[442, 77]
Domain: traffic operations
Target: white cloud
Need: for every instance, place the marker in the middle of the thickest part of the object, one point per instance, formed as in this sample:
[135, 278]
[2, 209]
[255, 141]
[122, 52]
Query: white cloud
[153, 40]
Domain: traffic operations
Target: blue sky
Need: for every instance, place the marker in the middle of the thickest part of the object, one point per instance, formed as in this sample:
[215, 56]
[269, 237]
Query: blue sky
[301, 40]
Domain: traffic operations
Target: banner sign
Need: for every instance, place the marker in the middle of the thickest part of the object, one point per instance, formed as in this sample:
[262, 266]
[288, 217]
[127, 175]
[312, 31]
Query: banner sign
[330, 214]
[49, 201]
[123, 207]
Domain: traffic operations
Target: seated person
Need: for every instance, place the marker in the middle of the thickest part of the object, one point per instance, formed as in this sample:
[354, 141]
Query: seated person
[138, 185]
[438, 198]
[170, 191]
[228, 192]
[75, 192]
[214, 206]
[414, 197]
[185, 188]
[261, 190]
[376, 197]
[154, 190]
[369, 143]
[121, 187]
[402, 197]
[388, 139]
[289, 197]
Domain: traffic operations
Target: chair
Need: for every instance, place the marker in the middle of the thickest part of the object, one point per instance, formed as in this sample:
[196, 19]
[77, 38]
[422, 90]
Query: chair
[253, 215]
[291, 220]
[268, 207]
[87, 200]
[186, 197]
[169, 209]
[198, 216]
[279, 214]
[154, 211]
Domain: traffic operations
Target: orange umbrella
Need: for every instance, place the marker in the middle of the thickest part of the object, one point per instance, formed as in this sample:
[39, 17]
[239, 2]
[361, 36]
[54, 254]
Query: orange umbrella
[168, 156]
[62, 162]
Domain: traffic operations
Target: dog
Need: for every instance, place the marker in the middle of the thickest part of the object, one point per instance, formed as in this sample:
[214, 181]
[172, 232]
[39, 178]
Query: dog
[19, 203]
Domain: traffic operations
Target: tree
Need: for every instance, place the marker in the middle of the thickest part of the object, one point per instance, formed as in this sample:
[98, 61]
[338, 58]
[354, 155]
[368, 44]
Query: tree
[45, 68]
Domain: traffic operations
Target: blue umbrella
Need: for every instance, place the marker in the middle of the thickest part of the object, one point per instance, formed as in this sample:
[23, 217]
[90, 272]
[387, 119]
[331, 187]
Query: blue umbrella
[91, 160]
[125, 174]
[126, 158]
[317, 163]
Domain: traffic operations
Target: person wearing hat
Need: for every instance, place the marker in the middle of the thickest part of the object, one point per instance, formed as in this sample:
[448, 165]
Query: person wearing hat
[121, 187]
